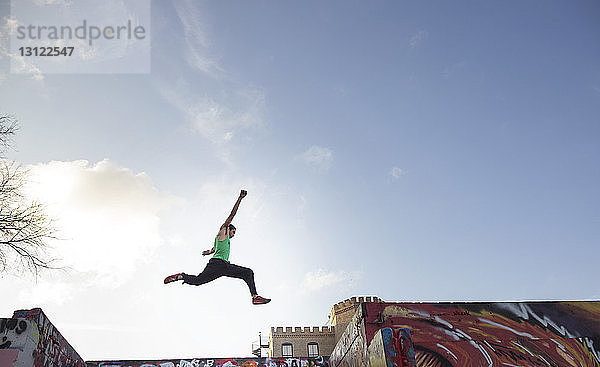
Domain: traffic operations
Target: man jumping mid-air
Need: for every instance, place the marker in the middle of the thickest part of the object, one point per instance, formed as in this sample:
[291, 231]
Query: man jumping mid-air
[219, 265]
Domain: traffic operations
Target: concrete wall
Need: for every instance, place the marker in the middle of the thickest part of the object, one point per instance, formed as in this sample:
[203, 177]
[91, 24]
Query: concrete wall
[479, 333]
[299, 338]
[29, 339]
[218, 362]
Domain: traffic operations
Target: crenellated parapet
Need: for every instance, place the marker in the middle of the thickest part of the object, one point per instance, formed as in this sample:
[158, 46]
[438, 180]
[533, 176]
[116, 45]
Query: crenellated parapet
[298, 331]
[298, 340]
[341, 312]
[353, 301]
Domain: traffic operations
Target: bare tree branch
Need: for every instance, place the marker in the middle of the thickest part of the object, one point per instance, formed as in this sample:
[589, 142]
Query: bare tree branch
[25, 228]
[8, 128]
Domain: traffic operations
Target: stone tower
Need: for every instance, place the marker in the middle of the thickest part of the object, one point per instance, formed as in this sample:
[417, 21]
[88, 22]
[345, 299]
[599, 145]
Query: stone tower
[342, 312]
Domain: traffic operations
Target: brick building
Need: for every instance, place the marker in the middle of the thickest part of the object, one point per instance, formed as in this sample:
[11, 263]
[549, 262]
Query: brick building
[315, 341]
[301, 341]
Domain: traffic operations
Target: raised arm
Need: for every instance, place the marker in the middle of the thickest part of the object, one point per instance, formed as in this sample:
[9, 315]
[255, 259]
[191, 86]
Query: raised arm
[224, 230]
[229, 219]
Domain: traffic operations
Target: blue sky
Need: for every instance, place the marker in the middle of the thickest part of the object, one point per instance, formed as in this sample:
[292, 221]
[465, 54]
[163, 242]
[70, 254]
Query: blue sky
[409, 150]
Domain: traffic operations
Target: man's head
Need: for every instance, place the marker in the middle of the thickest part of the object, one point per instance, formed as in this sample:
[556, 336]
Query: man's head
[231, 230]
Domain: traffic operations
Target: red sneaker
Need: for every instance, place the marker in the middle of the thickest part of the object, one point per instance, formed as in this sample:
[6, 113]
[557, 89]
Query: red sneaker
[172, 278]
[258, 300]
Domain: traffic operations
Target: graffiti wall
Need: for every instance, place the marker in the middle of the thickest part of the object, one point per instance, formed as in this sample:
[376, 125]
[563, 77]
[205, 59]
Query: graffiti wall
[30, 339]
[391, 347]
[488, 334]
[18, 340]
[218, 362]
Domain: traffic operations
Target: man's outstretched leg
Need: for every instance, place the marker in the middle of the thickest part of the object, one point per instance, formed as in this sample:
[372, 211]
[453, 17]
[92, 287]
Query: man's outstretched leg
[217, 268]
[240, 272]
[213, 270]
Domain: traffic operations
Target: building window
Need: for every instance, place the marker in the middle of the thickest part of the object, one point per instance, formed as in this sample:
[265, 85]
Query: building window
[313, 349]
[287, 350]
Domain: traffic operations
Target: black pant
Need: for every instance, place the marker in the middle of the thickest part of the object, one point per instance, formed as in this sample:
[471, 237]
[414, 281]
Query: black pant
[217, 268]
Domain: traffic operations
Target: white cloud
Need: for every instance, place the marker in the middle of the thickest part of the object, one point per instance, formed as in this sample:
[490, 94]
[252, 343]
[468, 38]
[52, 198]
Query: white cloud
[236, 111]
[218, 122]
[52, 2]
[221, 110]
[19, 63]
[47, 292]
[396, 172]
[9, 27]
[197, 43]
[107, 215]
[418, 38]
[320, 279]
[317, 157]
[117, 328]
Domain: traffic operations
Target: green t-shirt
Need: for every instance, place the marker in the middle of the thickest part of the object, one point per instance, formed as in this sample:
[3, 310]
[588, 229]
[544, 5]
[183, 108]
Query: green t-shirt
[222, 249]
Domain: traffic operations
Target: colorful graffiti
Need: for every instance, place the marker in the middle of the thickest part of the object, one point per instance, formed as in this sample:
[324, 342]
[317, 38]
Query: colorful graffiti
[41, 342]
[218, 362]
[391, 347]
[484, 334]
[11, 330]
[18, 340]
